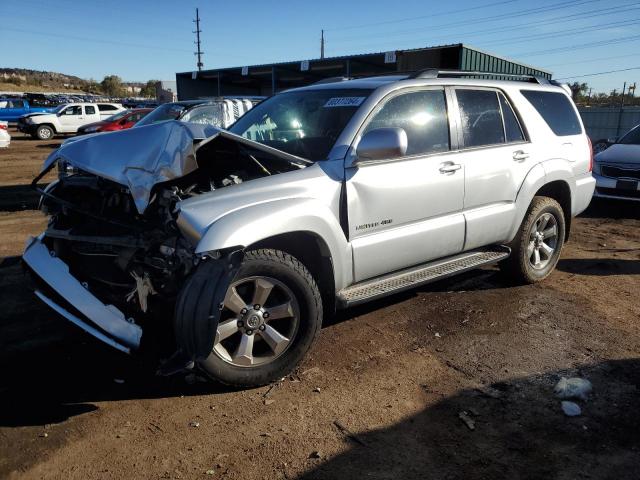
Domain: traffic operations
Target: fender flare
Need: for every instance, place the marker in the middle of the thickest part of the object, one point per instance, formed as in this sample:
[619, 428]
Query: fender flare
[249, 225]
[540, 175]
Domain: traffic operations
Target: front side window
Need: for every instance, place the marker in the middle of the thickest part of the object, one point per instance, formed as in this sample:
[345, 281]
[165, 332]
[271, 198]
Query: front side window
[422, 115]
[305, 123]
[74, 110]
[556, 109]
[481, 117]
[631, 138]
[90, 110]
[16, 104]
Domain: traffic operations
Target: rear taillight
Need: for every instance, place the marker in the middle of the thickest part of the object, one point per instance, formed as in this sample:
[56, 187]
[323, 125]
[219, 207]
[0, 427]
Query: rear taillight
[3, 126]
[590, 155]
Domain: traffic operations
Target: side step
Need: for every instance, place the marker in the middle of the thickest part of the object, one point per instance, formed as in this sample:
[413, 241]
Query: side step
[419, 275]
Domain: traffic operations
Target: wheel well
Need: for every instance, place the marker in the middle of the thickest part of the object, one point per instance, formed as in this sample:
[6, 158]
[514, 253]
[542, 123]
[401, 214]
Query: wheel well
[314, 254]
[561, 193]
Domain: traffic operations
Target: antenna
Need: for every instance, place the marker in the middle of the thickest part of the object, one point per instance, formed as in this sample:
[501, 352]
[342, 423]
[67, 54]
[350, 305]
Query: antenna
[321, 44]
[197, 31]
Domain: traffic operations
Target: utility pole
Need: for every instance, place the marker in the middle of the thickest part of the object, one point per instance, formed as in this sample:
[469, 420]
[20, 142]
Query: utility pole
[321, 44]
[197, 31]
[624, 88]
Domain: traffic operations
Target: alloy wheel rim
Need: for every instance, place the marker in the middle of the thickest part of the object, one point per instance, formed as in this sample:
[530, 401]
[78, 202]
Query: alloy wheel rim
[543, 241]
[259, 319]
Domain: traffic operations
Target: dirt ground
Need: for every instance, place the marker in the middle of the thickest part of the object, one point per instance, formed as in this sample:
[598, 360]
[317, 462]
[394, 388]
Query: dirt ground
[380, 396]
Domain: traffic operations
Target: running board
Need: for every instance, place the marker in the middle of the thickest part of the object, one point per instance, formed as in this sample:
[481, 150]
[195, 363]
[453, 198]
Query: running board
[419, 275]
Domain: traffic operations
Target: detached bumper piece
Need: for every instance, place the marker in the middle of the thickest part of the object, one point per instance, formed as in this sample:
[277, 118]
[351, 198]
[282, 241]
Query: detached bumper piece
[104, 322]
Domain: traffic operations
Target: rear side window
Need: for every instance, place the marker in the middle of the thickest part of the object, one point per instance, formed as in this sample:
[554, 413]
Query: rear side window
[557, 111]
[106, 108]
[422, 115]
[89, 110]
[512, 129]
[481, 117]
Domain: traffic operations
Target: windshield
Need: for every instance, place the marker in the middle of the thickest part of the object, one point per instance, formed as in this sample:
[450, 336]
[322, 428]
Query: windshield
[168, 111]
[305, 123]
[631, 138]
[59, 108]
[118, 116]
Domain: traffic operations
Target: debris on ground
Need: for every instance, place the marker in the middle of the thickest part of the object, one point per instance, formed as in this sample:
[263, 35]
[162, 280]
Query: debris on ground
[210, 472]
[119, 381]
[574, 387]
[348, 433]
[43, 435]
[315, 454]
[194, 424]
[316, 390]
[467, 420]
[269, 401]
[571, 409]
[489, 392]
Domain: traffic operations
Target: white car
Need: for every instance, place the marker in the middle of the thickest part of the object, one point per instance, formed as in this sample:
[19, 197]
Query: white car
[66, 119]
[617, 169]
[5, 138]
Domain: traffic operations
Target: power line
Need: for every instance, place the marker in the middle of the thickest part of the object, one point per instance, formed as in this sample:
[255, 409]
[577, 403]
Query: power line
[492, 18]
[599, 73]
[579, 47]
[94, 40]
[590, 60]
[407, 19]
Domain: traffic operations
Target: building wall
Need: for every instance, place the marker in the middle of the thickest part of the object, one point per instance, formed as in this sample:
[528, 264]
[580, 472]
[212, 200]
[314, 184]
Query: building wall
[609, 122]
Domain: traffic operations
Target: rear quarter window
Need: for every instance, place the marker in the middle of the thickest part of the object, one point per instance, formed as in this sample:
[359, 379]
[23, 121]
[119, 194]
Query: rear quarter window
[556, 109]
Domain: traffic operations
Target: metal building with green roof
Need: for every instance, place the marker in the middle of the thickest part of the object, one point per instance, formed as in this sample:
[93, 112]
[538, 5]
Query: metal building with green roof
[271, 78]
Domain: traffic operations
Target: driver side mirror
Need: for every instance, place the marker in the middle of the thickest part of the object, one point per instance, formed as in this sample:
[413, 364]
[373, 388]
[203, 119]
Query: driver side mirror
[382, 143]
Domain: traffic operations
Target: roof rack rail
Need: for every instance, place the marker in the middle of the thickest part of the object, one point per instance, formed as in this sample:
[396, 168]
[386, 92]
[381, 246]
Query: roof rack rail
[437, 73]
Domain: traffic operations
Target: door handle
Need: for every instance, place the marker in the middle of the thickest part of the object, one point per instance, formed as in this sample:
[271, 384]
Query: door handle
[450, 167]
[520, 155]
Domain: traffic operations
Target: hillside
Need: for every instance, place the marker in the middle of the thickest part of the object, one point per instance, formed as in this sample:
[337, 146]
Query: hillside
[20, 79]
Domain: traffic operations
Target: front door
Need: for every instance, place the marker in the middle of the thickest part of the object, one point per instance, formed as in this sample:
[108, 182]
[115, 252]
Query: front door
[408, 210]
[71, 118]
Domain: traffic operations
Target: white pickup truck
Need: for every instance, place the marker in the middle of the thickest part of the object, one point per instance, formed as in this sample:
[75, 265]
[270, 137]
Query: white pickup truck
[66, 118]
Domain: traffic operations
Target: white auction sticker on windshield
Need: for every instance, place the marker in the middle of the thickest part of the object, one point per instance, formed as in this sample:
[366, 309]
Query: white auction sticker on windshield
[344, 102]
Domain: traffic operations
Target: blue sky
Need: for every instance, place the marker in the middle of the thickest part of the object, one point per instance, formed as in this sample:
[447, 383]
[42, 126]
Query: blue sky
[144, 39]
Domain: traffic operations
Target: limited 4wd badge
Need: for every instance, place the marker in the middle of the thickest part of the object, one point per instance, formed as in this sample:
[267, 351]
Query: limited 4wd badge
[344, 102]
[368, 226]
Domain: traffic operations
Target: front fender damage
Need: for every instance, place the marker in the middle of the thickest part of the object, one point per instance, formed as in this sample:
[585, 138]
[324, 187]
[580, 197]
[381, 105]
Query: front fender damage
[198, 310]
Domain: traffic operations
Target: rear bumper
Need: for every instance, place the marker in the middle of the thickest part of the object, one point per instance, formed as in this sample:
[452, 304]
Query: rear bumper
[584, 188]
[104, 322]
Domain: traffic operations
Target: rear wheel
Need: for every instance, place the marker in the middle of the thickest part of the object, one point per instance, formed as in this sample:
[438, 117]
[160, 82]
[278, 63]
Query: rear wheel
[272, 313]
[536, 249]
[44, 132]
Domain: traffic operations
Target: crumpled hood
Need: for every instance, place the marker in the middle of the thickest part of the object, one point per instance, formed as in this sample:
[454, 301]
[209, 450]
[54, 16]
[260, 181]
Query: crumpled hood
[142, 157]
[138, 158]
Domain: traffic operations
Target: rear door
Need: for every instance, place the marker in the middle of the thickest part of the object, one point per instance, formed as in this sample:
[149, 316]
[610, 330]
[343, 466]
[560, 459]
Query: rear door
[496, 156]
[90, 115]
[408, 210]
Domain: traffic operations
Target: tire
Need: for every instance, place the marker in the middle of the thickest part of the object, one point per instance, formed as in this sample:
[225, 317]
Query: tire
[521, 266]
[44, 132]
[288, 278]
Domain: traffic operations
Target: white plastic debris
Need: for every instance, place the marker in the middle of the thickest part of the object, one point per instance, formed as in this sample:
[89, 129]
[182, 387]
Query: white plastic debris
[570, 409]
[143, 289]
[575, 387]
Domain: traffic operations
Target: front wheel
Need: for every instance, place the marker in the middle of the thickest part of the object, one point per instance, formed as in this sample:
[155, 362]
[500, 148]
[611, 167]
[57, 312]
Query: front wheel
[271, 314]
[44, 132]
[536, 248]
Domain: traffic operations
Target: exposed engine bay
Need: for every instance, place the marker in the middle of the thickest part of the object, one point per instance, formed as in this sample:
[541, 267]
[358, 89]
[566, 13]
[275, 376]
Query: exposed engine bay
[138, 260]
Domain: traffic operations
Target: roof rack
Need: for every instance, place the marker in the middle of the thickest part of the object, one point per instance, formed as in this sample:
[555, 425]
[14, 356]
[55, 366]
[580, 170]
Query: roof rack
[332, 80]
[436, 73]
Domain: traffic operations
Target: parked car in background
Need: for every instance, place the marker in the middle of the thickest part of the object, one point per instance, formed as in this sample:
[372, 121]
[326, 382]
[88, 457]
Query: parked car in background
[239, 242]
[5, 138]
[66, 119]
[220, 112]
[11, 109]
[617, 169]
[119, 121]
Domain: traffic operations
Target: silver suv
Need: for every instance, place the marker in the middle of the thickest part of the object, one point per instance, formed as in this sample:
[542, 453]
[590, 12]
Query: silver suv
[240, 242]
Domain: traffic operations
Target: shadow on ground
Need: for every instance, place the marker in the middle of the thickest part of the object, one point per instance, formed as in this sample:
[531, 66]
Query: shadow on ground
[520, 433]
[602, 267]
